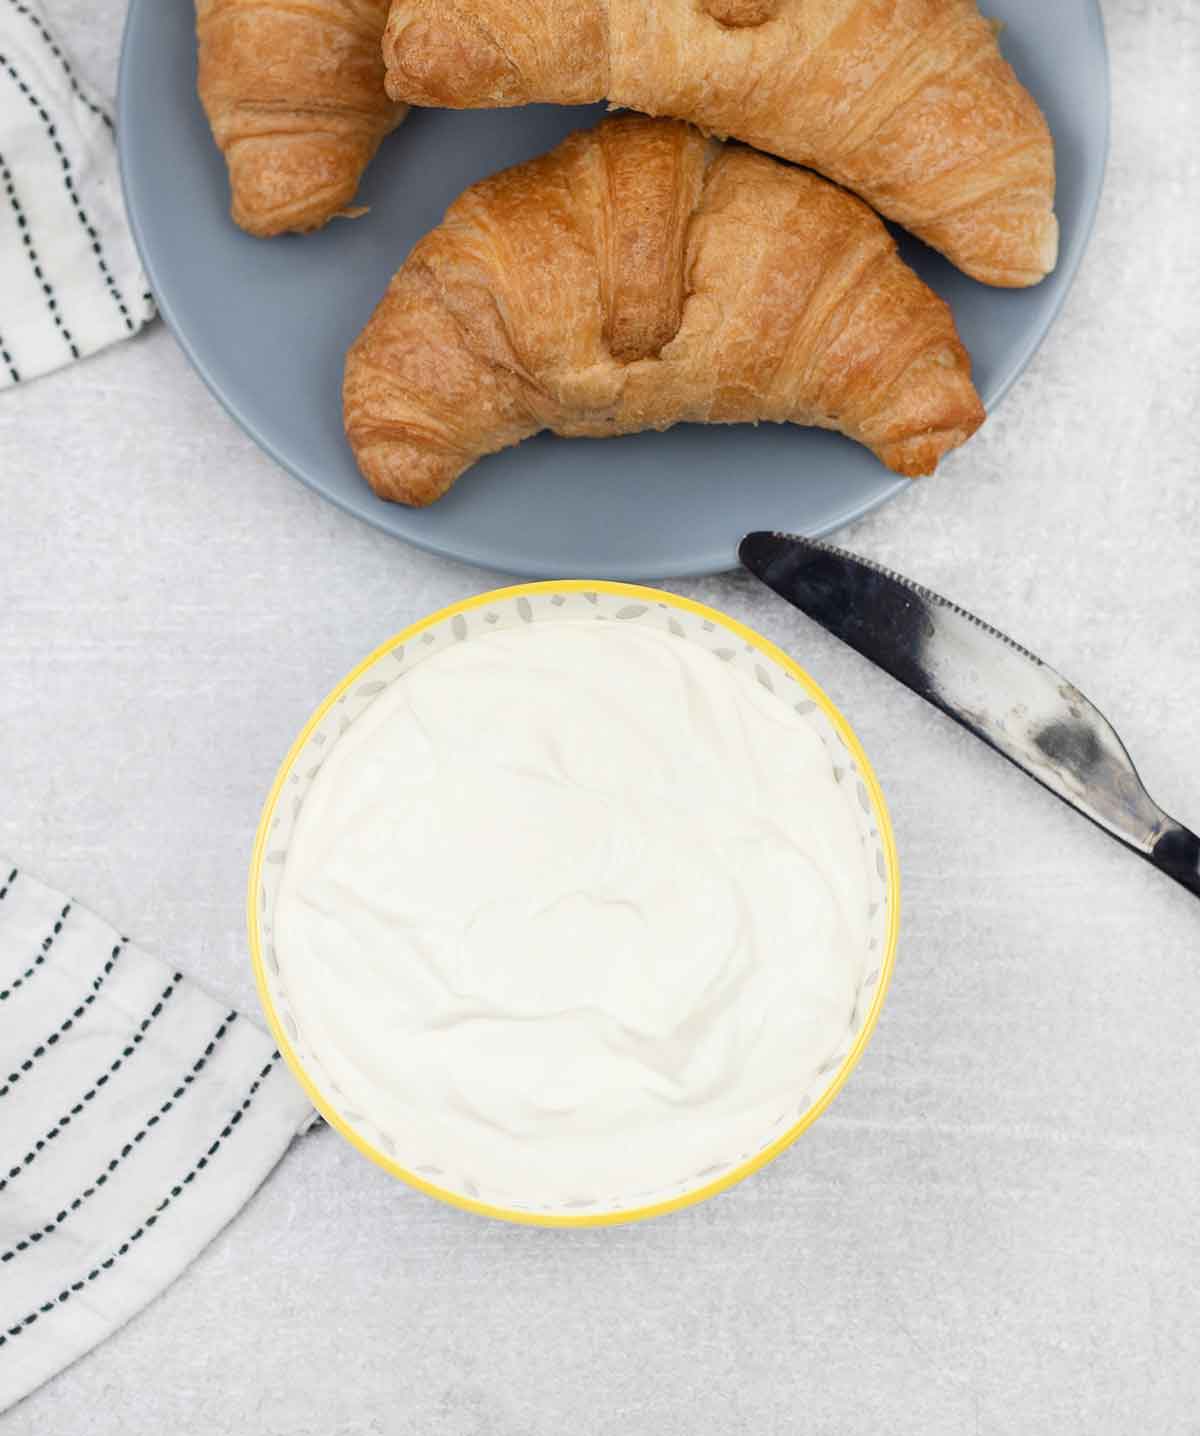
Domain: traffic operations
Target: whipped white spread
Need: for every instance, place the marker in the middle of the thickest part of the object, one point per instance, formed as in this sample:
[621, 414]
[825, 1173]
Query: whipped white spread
[574, 912]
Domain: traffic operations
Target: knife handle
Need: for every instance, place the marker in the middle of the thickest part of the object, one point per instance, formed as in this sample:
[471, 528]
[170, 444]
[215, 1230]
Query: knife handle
[1177, 853]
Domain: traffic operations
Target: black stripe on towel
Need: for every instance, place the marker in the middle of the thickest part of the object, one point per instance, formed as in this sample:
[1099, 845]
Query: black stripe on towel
[110, 1261]
[8, 882]
[101, 1179]
[97, 1086]
[52, 132]
[47, 944]
[15, 376]
[43, 1047]
[10, 189]
[36, 22]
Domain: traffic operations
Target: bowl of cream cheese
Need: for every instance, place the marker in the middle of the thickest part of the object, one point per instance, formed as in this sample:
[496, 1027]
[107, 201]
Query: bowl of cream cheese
[575, 903]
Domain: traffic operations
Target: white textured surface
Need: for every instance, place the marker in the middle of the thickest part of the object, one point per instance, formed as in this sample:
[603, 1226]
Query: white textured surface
[994, 1230]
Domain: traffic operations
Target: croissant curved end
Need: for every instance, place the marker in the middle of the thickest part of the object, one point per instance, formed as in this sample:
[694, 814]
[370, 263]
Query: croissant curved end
[1050, 242]
[919, 455]
[1035, 262]
[433, 62]
[403, 471]
[295, 183]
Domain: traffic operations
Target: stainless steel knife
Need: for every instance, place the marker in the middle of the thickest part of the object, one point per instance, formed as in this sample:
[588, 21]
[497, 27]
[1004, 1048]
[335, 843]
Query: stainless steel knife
[992, 686]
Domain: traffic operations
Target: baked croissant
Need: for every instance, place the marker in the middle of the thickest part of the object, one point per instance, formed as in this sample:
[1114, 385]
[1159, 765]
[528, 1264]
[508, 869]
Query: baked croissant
[294, 92]
[907, 102]
[639, 276]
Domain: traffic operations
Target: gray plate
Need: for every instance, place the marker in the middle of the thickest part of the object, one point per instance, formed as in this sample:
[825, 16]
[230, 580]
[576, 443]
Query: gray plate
[267, 323]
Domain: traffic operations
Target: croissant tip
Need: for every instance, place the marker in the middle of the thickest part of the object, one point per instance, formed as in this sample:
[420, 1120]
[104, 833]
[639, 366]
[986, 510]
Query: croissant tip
[917, 456]
[1050, 243]
[1043, 261]
[453, 66]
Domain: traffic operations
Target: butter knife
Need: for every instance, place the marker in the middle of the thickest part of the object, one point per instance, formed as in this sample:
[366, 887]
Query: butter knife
[995, 688]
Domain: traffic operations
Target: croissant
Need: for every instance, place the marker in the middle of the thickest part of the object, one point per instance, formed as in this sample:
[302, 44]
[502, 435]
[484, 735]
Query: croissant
[638, 276]
[908, 103]
[295, 96]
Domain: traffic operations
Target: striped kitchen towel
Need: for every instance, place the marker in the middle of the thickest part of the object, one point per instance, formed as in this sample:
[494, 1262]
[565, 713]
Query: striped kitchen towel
[70, 279]
[137, 1116]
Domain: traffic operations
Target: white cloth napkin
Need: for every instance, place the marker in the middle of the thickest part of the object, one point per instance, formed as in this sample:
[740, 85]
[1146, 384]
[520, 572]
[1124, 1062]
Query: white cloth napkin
[137, 1116]
[70, 278]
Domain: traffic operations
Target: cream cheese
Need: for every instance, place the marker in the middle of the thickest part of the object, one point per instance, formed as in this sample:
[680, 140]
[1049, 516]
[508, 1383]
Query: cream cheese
[574, 912]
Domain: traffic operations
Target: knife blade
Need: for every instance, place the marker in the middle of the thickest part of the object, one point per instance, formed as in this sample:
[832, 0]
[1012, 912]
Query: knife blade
[976, 675]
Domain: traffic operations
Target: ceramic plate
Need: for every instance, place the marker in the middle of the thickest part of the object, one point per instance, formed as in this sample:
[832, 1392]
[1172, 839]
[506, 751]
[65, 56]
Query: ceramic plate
[267, 323]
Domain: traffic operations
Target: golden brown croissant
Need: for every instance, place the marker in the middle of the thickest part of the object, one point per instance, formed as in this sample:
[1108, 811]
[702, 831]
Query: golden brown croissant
[294, 92]
[907, 102]
[639, 276]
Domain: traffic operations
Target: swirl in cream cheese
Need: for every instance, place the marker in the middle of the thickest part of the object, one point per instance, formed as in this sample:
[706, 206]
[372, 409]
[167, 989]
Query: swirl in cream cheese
[574, 912]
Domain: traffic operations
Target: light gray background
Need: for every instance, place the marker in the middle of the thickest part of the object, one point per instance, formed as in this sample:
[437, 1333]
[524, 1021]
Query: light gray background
[995, 1229]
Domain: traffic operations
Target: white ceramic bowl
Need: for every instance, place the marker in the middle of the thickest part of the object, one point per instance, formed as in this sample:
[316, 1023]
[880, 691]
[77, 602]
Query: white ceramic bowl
[586, 601]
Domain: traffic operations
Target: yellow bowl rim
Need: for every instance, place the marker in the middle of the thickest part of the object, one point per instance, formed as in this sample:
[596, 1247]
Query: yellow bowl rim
[743, 1169]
